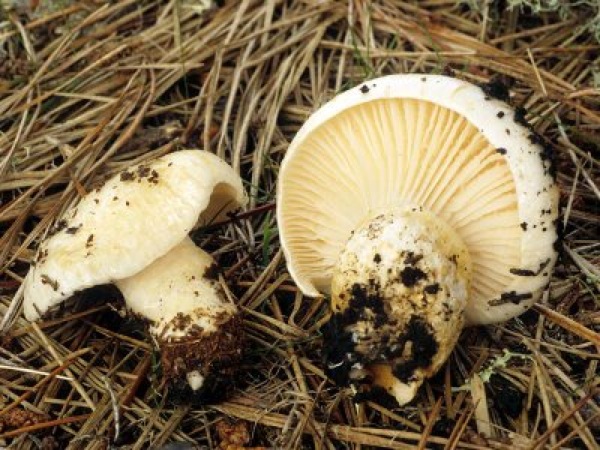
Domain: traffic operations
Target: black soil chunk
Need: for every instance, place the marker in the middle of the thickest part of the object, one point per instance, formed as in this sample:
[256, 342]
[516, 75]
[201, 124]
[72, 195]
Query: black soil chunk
[496, 89]
[519, 117]
[338, 350]
[424, 348]
[411, 276]
[339, 353]
[522, 272]
[362, 298]
[212, 272]
[432, 288]
[511, 296]
[529, 272]
[548, 156]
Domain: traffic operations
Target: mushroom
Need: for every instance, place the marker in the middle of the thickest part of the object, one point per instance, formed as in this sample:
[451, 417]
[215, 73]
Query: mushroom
[133, 232]
[420, 204]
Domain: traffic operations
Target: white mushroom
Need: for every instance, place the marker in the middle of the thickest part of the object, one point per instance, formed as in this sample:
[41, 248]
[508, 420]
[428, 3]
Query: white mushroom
[133, 232]
[419, 204]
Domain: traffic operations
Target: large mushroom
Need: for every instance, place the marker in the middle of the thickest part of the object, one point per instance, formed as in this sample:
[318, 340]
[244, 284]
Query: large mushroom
[421, 204]
[133, 232]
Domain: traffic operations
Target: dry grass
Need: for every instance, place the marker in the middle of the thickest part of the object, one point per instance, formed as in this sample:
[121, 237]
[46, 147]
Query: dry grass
[91, 87]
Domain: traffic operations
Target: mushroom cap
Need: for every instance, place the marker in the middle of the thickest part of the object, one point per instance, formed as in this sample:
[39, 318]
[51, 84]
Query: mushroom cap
[136, 217]
[440, 143]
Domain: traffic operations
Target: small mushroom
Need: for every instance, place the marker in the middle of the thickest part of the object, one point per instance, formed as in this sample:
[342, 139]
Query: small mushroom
[420, 204]
[133, 232]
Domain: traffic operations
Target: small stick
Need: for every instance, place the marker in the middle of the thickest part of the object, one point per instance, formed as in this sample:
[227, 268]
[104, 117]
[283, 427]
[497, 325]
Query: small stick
[544, 437]
[39, 384]
[115, 407]
[32, 371]
[42, 425]
[432, 418]
[57, 357]
[141, 370]
[568, 324]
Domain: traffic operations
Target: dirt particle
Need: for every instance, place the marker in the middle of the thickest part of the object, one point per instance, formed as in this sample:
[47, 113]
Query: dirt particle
[512, 297]
[501, 150]
[90, 241]
[412, 259]
[19, 418]
[50, 282]
[519, 116]
[524, 226]
[127, 176]
[432, 288]
[496, 89]
[500, 114]
[424, 348]
[529, 272]
[364, 89]
[410, 276]
[522, 272]
[143, 171]
[73, 230]
[181, 321]
[212, 272]
[153, 178]
[377, 258]
[233, 435]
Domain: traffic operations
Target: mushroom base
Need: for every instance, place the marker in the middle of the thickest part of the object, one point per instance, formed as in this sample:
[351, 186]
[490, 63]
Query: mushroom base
[399, 291]
[200, 367]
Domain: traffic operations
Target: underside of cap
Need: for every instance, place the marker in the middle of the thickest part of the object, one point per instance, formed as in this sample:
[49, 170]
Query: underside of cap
[439, 143]
[134, 218]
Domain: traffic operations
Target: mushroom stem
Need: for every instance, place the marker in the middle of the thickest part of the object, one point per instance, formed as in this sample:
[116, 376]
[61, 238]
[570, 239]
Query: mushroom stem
[399, 290]
[197, 330]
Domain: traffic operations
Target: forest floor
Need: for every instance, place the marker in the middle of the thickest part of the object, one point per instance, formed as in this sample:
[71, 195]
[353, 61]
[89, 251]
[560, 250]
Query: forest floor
[90, 87]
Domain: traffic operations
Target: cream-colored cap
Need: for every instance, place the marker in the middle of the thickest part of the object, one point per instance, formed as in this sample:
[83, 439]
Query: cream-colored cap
[136, 217]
